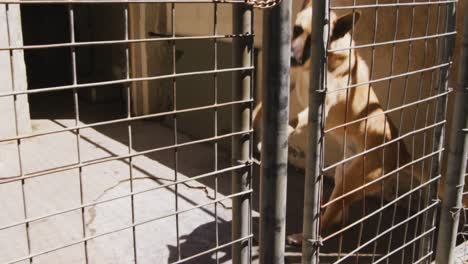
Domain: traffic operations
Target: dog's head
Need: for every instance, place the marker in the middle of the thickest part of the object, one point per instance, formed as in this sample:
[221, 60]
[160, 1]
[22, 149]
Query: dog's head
[340, 28]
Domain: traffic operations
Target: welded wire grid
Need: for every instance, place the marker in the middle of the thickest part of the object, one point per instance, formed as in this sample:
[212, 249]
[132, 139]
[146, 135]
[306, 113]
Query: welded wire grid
[403, 44]
[80, 241]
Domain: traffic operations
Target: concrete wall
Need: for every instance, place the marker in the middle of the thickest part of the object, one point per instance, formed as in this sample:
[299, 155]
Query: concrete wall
[12, 74]
[150, 59]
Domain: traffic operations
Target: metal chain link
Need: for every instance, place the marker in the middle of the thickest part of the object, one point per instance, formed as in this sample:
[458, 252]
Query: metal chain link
[263, 3]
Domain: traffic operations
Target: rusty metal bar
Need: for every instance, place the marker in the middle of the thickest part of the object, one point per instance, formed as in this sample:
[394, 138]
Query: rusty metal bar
[275, 119]
[399, 41]
[456, 163]
[242, 57]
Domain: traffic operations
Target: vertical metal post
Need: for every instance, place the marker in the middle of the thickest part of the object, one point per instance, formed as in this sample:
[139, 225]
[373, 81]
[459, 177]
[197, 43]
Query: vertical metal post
[457, 153]
[241, 116]
[446, 53]
[317, 92]
[275, 98]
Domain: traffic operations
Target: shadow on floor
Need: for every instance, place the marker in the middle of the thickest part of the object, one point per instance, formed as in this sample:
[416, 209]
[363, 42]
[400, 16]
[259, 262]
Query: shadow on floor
[60, 106]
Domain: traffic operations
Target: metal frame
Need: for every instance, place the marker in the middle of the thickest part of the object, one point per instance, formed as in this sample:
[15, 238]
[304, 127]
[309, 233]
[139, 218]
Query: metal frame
[275, 120]
[452, 204]
[241, 134]
[241, 121]
[438, 70]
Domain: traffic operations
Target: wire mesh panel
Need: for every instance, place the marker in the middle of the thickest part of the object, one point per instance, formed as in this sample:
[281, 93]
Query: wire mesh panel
[380, 141]
[115, 146]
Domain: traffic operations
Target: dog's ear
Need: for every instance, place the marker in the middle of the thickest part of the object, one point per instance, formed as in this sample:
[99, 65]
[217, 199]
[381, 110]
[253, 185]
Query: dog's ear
[344, 24]
[305, 3]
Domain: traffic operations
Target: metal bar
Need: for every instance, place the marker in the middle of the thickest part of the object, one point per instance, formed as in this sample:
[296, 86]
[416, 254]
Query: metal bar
[215, 249]
[195, 178]
[199, 1]
[241, 116]
[175, 135]
[18, 141]
[395, 140]
[456, 163]
[128, 119]
[398, 4]
[391, 77]
[134, 154]
[215, 127]
[392, 42]
[71, 24]
[169, 76]
[317, 93]
[388, 205]
[128, 91]
[413, 145]
[384, 176]
[232, 196]
[275, 119]
[123, 41]
[439, 133]
[401, 107]
[423, 258]
[433, 80]
[406, 244]
[124, 81]
[433, 205]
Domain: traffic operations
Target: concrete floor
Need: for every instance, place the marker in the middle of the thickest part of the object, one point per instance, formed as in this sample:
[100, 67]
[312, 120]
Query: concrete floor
[156, 241]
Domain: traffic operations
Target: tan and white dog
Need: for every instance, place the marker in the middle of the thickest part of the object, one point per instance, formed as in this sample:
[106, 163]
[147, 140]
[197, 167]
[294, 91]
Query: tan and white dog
[353, 111]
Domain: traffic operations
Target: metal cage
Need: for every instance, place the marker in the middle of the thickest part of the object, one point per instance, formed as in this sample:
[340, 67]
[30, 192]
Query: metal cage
[119, 181]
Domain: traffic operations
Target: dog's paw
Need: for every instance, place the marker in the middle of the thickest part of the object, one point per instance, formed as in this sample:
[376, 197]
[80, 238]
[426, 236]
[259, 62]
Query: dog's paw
[294, 240]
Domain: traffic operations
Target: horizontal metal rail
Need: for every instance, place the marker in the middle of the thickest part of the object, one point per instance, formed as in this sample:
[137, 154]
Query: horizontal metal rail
[130, 226]
[411, 4]
[395, 140]
[404, 106]
[127, 80]
[399, 41]
[128, 119]
[214, 249]
[383, 177]
[381, 209]
[392, 77]
[123, 41]
[433, 205]
[424, 257]
[135, 154]
[133, 193]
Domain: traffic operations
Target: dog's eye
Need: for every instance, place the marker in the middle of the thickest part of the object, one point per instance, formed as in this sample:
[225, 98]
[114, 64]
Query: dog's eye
[297, 31]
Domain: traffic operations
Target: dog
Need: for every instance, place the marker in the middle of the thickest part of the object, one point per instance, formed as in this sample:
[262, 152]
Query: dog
[367, 125]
